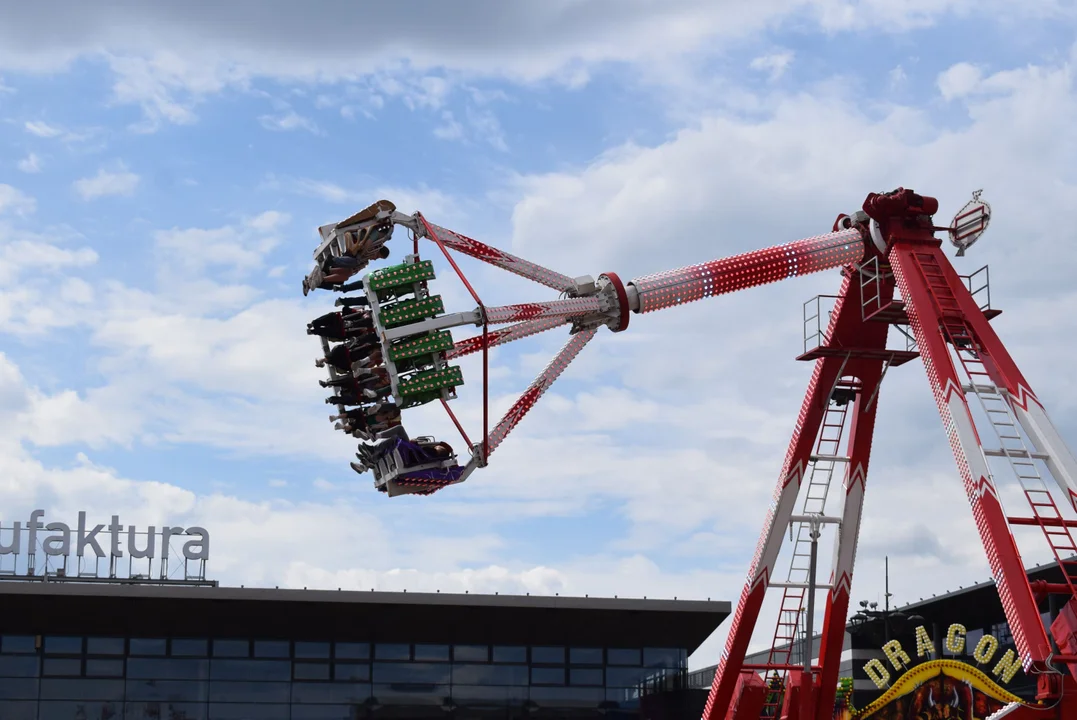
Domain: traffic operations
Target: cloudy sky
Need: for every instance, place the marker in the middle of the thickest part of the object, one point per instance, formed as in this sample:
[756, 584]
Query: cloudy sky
[163, 170]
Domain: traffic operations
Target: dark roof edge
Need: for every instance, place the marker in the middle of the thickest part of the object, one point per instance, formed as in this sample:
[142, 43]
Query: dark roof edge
[75, 589]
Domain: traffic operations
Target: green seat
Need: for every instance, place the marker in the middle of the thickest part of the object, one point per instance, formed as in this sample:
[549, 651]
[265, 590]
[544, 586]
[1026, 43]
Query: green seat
[425, 386]
[401, 276]
[410, 311]
[421, 345]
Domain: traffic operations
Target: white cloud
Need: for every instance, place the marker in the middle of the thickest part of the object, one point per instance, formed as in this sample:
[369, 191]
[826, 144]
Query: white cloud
[166, 63]
[959, 80]
[775, 64]
[288, 121]
[42, 129]
[106, 183]
[13, 200]
[30, 164]
[450, 129]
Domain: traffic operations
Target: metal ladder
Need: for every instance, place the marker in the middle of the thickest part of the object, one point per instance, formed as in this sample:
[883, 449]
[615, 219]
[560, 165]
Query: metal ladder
[995, 403]
[790, 623]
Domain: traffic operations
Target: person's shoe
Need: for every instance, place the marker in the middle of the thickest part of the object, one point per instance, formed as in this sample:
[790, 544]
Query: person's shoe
[323, 383]
[368, 393]
[306, 287]
[319, 363]
[358, 467]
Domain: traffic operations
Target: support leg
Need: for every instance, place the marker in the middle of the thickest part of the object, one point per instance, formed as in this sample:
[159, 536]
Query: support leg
[861, 431]
[931, 305]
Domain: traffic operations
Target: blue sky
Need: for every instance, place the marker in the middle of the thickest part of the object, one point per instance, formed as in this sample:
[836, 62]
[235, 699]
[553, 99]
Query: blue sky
[159, 197]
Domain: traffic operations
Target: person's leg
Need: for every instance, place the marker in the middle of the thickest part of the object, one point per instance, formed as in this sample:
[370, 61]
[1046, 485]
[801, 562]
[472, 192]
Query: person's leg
[352, 286]
[343, 261]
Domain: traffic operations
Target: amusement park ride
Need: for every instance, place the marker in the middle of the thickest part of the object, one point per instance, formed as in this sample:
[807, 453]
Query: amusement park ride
[894, 274]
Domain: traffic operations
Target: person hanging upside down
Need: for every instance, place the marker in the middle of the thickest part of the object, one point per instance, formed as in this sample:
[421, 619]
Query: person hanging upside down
[372, 360]
[340, 357]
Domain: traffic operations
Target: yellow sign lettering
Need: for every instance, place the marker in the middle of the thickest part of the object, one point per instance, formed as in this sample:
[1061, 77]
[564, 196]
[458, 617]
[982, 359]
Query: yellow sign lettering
[924, 645]
[896, 655]
[877, 673]
[1007, 667]
[955, 639]
[985, 649]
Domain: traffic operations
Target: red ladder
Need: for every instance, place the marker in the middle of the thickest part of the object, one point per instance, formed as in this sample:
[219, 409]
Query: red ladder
[994, 402]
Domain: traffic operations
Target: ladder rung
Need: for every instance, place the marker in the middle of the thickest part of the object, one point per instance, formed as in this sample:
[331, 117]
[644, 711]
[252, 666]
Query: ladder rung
[1004, 452]
[801, 586]
[830, 458]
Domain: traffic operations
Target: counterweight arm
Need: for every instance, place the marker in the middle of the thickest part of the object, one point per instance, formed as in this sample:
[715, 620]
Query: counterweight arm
[759, 267]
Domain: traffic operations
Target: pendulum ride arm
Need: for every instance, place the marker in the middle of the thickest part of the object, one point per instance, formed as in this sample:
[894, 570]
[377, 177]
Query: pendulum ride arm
[759, 267]
[847, 329]
[504, 335]
[540, 385]
[499, 258]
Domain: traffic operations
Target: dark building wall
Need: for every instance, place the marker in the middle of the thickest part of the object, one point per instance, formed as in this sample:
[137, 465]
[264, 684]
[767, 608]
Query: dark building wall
[171, 653]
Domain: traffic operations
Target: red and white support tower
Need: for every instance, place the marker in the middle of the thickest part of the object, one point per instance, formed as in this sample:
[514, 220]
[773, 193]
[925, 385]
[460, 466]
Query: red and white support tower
[904, 279]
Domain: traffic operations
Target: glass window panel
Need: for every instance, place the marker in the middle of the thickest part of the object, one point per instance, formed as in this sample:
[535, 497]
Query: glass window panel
[623, 656]
[352, 671]
[413, 694]
[19, 644]
[260, 692]
[250, 670]
[312, 650]
[185, 647]
[585, 676]
[624, 697]
[661, 657]
[63, 645]
[410, 673]
[470, 653]
[548, 655]
[272, 649]
[231, 648]
[104, 646]
[168, 690]
[490, 674]
[503, 654]
[251, 711]
[18, 689]
[162, 710]
[585, 656]
[322, 712]
[20, 710]
[352, 651]
[432, 653]
[330, 692]
[62, 666]
[624, 677]
[311, 671]
[387, 651]
[547, 676]
[167, 669]
[489, 694]
[66, 710]
[79, 689]
[96, 667]
[568, 697]
[19, 666]
[147, 646]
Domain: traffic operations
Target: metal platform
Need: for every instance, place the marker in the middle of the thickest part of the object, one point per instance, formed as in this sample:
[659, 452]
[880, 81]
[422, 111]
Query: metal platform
[895, 357]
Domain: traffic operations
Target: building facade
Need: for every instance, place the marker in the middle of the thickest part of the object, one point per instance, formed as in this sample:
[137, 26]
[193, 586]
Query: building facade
[106, 651]
[977, 608]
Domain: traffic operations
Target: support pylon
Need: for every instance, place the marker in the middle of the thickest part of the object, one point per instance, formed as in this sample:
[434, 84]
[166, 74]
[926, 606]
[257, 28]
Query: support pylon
[849, 366]
[971, 375]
